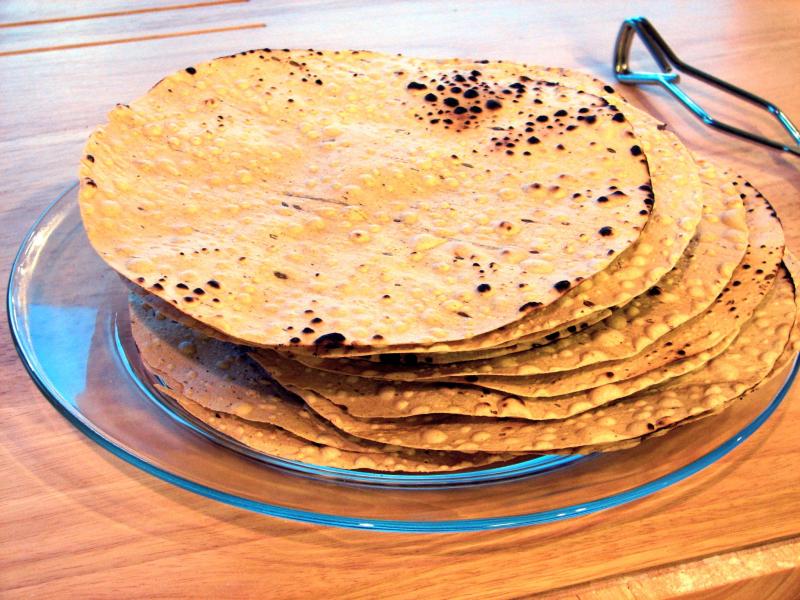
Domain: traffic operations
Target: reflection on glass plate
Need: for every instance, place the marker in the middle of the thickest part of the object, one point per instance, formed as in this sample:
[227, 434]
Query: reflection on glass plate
[68, 314]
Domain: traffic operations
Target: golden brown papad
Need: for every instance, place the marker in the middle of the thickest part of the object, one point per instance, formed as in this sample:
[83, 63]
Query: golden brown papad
[369, 398]
[278, 442]
[681, 188]
[653, 326]
[221, 377]
[172, 312]
[788, 355]
[746, 362]
[677, 199]
[216, 383]
[282, 200]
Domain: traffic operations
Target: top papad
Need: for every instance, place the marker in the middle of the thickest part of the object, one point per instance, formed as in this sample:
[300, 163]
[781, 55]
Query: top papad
[348, 198]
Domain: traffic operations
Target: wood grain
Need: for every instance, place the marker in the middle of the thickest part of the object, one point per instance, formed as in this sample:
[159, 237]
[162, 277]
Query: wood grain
[129, 40]
[78, 522]
[125, 12]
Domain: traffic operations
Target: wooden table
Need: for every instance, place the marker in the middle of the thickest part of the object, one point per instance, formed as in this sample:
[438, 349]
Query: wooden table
[77, 522]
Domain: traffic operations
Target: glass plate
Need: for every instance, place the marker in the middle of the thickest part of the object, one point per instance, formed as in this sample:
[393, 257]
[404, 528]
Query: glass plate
[69, 319]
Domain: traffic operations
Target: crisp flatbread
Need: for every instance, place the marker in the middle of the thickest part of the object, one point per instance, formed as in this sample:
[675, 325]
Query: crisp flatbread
[370, 398]
[216, 383]
[677, 199]
[172, 312]
[746, 362]
[674, 180]
[279, 443]
[317, 199]
[659, 325]
[221, 378]
[788, 355]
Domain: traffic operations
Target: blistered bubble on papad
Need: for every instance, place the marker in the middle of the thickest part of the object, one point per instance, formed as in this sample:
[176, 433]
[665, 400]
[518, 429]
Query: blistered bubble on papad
[282, 200]
[220, 377]
[656, 325]
[370, 398]
[277, 442]
[676, 200]
[744, 364]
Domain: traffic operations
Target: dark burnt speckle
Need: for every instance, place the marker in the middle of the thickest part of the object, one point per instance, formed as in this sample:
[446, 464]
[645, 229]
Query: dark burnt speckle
[330, 340]
[528, 306]
[562, 286]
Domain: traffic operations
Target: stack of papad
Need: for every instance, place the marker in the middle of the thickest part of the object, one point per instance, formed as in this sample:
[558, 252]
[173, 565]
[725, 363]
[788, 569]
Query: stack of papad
[397, 264]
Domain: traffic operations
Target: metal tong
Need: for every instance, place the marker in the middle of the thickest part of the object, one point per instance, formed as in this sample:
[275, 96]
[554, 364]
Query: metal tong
[667, 60]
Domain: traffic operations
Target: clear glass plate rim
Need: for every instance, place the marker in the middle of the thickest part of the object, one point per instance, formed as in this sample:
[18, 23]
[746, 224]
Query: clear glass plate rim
[386, 525]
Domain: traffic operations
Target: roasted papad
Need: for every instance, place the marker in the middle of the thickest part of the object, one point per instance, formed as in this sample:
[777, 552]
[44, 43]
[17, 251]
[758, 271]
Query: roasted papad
[318, 199]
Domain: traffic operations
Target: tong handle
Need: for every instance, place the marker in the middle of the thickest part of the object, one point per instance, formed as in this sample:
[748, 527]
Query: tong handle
[667, 60]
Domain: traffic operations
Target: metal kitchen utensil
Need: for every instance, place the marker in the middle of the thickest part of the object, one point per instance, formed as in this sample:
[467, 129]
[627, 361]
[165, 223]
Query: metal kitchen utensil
[667, 61]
